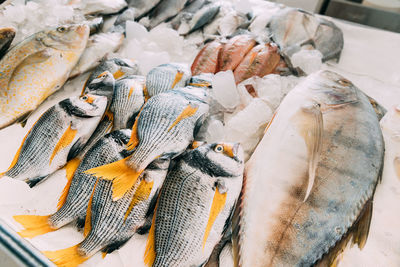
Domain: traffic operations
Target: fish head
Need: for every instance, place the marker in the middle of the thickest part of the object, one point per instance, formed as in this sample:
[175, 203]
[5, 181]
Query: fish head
[88, 105]
[103, 85]
[228, 158]
[332, 90]
[66, 37]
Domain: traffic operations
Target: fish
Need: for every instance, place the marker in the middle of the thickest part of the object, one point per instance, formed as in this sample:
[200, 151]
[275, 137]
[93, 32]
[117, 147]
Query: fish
[165, 126]
[234, 51]
[95, 23]
[201, 80]
[195, 205]
[56, 136]
[164, 10]
[202, 17]
[165, 77]
[6, 37]
[263, 59]
[315, 170]
[127, 15]
[293, 28]
[186, 14]
[208, 58]
[37, 67]
[98, 46]
[99, 7]
[142, 7]
[110, 224]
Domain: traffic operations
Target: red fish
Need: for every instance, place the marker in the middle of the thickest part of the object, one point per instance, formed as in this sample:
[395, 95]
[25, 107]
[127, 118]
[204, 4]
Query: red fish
[234, 51]
[207, 59]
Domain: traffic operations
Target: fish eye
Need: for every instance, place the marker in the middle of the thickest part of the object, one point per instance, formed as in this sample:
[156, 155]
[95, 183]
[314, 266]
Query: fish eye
[85, 97]
[61, 29]
[219, 148]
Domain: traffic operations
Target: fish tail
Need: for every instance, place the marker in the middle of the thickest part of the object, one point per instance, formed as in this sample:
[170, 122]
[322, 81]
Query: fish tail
[70, 169]
[67, 257]
[123, 176]
[34, 225]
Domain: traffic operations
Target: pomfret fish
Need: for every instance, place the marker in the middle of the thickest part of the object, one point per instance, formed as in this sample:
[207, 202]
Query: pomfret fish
[310, 182]
[164, 128]
[37, 67]
[195, 206]
[165, 77]
[207, 59]
[56, 137]
[109, 224]
[292, 28]
[6, 37]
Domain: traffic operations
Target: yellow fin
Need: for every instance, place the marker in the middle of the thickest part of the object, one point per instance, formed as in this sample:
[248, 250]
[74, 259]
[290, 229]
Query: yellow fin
[270, 122]
[134, 140]
[186, 113]
[150, 252]
[145, 94]
[34, 225]
[142, 193]
[88, 219]
[65, 140]
[123, 177]
[70, 169]
[396, 163]
[67, 257]
[130, 91]
[103, 254]
[217, 205]
[118, 74]
[310, 126]
[178, 77]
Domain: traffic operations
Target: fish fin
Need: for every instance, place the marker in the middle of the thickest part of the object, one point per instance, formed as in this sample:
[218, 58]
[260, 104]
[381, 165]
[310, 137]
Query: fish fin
[178, 78]
[131, 120]
[24, 118]
[114, 246]
[134, 140]
[123, 177]
[35, 181]
[65, 140]
[145, 227]
[142, 193]
[70, 169]
[311, 128]
[80, 223]
[118, 74]
[186, 113]
[150, 252]
[75, 149]
[379, 109]
[34, 225]
[88, 219]
[217, 206]
[130, 91]
[67, 257]
[396, 163]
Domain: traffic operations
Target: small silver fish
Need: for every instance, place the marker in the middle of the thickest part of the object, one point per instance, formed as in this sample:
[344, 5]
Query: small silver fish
[57, 135]
[142, 7]
[164, 10]
[195, 205]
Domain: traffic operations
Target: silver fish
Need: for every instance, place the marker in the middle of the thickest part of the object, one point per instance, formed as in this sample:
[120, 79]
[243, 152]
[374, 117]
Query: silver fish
[293, 28]
[202, 17]
[187, 13]
[164, 10]
[142, 7]
[310, 182]
[55, 137]
[165, 77]
[195, 206]
[164, 128]
[6, 37]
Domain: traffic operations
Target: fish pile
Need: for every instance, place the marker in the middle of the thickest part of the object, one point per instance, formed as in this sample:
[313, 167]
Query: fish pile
[238, 153]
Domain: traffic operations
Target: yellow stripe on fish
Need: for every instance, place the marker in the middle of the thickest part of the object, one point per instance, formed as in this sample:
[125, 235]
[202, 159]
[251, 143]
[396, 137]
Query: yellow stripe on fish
[186, 113]
[65, 140]
[178, 77]
[88, 219]
[118, 74]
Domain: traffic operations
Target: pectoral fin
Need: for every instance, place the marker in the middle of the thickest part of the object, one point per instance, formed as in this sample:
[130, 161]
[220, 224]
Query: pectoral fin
[177, 79]
[186, 113]
[35, 58]
[65, 140]
[24, 118]
[70, 169]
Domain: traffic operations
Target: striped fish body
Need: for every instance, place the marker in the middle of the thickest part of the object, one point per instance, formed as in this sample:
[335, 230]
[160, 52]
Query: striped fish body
[58, 134]
[127, 101]
[106, 150]
[37, 67]
[6, 37]
[315, 172]
[114, 222]
[208, 58]
[165, 77]
[195, 205]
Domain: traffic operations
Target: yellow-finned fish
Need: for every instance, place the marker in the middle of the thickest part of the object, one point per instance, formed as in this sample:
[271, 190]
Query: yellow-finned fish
[37, 67]
[195, 205]
[56, 137]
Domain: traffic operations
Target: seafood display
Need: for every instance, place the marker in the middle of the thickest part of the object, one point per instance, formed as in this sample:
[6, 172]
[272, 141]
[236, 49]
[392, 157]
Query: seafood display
[191, 133]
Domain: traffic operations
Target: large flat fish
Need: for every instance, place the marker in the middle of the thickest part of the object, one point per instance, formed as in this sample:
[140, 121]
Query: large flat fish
[309, 184]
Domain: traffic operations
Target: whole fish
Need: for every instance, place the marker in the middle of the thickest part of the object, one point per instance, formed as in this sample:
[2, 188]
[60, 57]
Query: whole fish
[260, 61]
[6, 37]
[165, 77]
[109, 224]
[208, 58]
[195, 205]
[310, 182]
[234, 51]
[142, 7]
[164, 10]
[37, 67]
[164, 128]
[292, 28]
[98, 46]
[56, 137]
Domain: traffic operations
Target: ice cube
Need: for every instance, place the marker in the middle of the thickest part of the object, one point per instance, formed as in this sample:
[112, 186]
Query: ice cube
[135, 30]
[215, 131]
[307, 60]
[224, 89]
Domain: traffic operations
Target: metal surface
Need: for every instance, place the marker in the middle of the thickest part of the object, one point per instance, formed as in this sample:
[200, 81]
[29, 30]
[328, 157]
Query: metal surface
[15, 251]
[358, 13]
